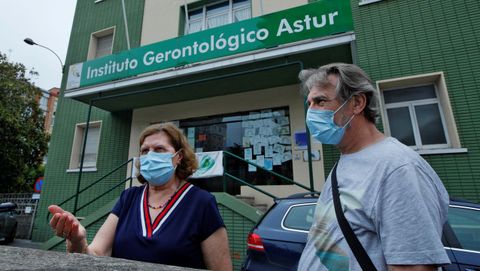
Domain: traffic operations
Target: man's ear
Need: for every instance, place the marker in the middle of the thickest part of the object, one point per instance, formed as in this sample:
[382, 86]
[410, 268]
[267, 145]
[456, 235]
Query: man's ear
[359, 103]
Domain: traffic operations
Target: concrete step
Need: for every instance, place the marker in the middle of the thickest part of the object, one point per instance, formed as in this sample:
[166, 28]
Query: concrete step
[247, 199]
[261, 207]
[251, 201]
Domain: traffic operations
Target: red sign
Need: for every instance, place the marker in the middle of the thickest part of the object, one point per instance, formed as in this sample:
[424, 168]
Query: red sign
[37, 187]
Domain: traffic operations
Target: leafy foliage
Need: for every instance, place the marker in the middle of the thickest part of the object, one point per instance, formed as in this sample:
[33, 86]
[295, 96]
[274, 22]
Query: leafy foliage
[23, 141]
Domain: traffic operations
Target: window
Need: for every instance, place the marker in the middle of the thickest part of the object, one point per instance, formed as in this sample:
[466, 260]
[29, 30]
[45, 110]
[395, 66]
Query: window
[262, 137]
[54, 110]
[465, 223]
[214, 15]
[366, 2]
[299, 217]
[416, 111]
[415, 117]
[43, 103]
[91, 149]
[101, 43]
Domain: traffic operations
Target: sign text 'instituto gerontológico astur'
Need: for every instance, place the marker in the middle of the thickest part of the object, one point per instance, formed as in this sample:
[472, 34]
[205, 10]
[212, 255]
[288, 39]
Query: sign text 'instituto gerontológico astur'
[309, 21]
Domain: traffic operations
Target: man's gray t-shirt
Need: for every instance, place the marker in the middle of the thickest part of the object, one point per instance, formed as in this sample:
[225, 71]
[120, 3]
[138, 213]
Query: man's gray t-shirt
[395, 204]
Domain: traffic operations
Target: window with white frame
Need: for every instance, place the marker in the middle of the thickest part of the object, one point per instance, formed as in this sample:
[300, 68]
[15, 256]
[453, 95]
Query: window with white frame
[217, 14]
[91, 148]
[101, 43]
[366, 2]
[417, 111]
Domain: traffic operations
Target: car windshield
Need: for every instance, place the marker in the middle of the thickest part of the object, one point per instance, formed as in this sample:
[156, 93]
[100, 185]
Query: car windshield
[465, 222]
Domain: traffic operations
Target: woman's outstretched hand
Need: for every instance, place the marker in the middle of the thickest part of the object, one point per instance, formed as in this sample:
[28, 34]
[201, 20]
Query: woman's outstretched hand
[66, 225]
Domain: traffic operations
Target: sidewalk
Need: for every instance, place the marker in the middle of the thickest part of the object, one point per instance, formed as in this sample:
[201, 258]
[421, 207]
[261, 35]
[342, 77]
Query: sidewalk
[24, 243]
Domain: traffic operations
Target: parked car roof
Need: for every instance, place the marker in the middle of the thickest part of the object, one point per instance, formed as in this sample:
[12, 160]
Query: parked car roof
[7, 206]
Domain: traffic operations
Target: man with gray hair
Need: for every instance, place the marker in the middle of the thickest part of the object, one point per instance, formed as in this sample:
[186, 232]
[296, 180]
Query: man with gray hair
[393, 200]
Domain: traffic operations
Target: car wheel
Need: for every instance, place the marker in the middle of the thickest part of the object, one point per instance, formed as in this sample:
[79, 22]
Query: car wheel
[11, 237]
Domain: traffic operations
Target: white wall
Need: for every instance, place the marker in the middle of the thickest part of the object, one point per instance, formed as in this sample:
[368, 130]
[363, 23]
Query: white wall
[161, 19]
[254, 100]
[270, 6]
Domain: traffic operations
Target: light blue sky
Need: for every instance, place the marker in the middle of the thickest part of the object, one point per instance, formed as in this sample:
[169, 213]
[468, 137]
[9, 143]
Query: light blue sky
[47, 22]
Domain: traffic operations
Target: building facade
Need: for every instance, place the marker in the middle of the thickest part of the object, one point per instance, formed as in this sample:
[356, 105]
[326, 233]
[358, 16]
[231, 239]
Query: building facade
[226, 73]
[48, 105]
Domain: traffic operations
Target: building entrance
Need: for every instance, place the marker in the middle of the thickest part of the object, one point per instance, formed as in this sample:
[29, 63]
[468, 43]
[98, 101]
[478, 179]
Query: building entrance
[261, 136]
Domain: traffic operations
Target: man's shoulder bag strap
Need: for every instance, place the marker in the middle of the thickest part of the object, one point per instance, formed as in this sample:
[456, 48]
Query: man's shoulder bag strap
[362, 257]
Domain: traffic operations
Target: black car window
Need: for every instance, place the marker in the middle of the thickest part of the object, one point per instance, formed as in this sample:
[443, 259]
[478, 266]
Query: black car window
[299, 217]
[465, 224]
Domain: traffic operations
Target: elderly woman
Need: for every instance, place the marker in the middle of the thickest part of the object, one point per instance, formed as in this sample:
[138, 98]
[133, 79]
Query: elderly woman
[166, 220]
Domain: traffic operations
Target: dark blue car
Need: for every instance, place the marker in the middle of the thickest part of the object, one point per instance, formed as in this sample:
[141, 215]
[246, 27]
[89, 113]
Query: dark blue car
[278, 239]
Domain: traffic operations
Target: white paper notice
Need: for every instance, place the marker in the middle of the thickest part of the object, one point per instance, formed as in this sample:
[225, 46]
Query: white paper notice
[269, 151]
[277, 159]
[278, 148]
[246, 142]
[261, 160]
[257, 149]
[269, 122]
[287, 156]
[191, 132]
[249, 132]
[247, 154]
[191, 142]
[273, 139]
[278, 113]
[285, 130]
[250, 167]
[258, 123]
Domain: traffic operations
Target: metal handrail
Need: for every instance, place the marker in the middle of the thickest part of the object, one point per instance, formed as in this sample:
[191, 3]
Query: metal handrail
[269, 171]
[94, 183]
[106, 192]
[249, 185]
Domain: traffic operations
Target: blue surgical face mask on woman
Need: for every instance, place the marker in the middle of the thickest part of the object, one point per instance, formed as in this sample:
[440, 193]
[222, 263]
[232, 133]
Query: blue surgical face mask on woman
[156, 167]
[322, 126]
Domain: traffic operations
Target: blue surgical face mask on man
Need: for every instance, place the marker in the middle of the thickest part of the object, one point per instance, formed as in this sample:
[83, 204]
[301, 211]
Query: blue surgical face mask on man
[322, 126]
[157, 168]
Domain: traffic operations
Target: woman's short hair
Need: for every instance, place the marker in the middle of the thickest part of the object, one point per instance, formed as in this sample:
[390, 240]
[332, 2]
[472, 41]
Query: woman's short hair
[177, 139]
[351, 81]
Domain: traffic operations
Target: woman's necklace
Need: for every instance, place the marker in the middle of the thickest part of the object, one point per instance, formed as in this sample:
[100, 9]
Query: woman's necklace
[166, 202]
[159, 206]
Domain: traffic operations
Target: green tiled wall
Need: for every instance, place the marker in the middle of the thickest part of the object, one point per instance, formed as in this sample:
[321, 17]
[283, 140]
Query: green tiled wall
[60, 184]
[89, 17]
[238, 228]
[239, 219]
[397, 38]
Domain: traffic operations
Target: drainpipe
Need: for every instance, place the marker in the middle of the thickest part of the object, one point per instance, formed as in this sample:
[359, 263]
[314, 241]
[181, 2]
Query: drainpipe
[126, 24]
[82, 158]
[309, 149]
[187, 23]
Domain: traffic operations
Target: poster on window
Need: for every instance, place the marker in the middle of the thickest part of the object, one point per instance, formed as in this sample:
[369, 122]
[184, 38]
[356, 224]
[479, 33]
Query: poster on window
[210, 164]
